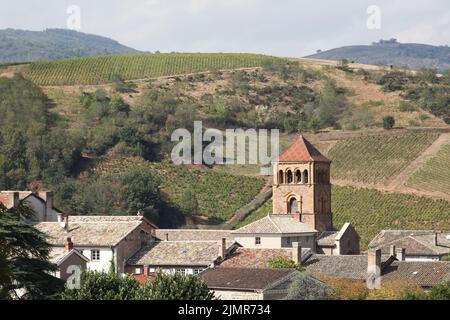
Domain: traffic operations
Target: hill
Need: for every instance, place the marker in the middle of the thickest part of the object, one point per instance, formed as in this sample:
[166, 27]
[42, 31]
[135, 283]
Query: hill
[410, 55]
[97, 70]
[52, 44]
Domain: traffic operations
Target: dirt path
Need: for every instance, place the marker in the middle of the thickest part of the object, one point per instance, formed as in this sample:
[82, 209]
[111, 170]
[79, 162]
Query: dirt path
[399, 182]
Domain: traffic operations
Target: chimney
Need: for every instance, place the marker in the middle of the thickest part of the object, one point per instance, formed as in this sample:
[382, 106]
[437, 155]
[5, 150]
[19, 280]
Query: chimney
[392, 251]
[68, 244]
[374, 262]
[222, 248]
[167, 237]
[296, 253]
[13, 199]
[146, 271]
[401, 253]
[47, 196]
[66, 222]
[435, 239]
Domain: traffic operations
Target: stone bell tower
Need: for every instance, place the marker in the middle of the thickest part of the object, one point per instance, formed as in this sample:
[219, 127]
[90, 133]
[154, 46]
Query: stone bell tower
[301, 185]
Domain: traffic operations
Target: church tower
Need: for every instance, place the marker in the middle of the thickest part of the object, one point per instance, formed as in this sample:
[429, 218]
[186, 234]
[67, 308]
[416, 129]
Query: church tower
[301, 185]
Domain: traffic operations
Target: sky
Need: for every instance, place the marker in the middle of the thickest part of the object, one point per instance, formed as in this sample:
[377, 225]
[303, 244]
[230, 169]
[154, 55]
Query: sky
[276, 27]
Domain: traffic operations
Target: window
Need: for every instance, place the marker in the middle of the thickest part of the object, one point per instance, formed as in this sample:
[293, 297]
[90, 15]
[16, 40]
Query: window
[293, 206]
[280, 177]
[95, 255]
[288, 240]
[198, 271]
[305, 176]
[298, 176]
[180, 271]
[257, 240]
[289, 177]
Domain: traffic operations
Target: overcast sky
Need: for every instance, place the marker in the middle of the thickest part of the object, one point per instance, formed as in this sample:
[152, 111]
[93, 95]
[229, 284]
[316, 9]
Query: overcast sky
[279, 27]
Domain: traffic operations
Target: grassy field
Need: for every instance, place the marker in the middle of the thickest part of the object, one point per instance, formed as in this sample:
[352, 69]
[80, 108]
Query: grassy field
[370, 211]
[98, 70]
[377, 159]
[435, 174]
[218, 194]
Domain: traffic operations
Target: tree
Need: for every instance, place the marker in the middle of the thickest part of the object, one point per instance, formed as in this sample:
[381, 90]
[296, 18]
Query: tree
[305, 287]
[103, 286]
[175, 287]
[441, 291]
[189, 202]
[388, 122]
[24, 258]
[284, 263]
[140, 190]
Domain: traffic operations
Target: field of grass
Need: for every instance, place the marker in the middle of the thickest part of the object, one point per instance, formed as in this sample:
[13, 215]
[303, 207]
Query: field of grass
[98, 70]
[377, 159]
[371, 211]
[219, 195]
[435, 174]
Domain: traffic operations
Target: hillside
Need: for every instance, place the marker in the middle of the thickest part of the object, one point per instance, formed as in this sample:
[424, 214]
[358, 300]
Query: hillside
[101, 140]
[410, 55]
[52, 44]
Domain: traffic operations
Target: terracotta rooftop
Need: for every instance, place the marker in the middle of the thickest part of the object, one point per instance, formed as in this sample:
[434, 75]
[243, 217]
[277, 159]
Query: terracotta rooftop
[193, 235]
[257, 258]
[178, 253]
[94, 233]
[245, 278]
[275, 224]
[301, 150]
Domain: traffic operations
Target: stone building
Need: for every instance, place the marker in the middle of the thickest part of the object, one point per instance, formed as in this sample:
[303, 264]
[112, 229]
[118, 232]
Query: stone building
[301, 211]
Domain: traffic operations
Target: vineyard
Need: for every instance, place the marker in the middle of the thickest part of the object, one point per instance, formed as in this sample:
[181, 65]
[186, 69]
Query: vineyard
[218, 194]
[435, 174]
[377, 159]
[371, 211]
[99, 70]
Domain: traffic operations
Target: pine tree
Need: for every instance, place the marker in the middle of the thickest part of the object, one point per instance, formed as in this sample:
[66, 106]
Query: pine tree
[24, 254]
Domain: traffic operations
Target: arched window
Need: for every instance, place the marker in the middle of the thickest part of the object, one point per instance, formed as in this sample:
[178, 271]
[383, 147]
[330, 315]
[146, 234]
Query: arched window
[289, 177]
[293, 206]
[305, 176]
[280, 177]
[298, 176]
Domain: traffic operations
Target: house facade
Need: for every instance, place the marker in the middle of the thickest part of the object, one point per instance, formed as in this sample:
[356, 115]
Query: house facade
[108, 242]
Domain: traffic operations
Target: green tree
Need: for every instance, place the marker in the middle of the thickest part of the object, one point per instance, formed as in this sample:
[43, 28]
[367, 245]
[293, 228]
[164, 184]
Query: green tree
[175, 287]
[441, 291]
[305, 287]
[24, 255]
[388, 122]
[103, 286]
[284, 263]
[140, 190]
[189, 202]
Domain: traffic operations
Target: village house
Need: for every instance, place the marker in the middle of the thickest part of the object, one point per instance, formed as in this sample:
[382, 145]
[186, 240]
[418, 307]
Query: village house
[420, 245]
[107, 241]
[40, 202]
[249, 283]
[66, 258]
[389, 268]
[184, 257]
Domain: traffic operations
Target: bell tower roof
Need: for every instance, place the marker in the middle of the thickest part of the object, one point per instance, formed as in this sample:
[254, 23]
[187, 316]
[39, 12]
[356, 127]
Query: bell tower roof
[302, 150]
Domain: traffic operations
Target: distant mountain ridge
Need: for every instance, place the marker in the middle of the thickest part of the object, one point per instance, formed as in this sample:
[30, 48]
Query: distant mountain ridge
[52, 44]
[391, 52]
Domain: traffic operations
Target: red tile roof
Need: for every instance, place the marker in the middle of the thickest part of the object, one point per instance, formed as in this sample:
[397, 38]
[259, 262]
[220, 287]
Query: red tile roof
[142, 278]
[4, 199]
[302, 150]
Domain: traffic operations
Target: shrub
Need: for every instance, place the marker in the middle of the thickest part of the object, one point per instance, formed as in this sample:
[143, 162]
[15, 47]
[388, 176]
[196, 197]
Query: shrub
[284, 263]
[305, 287]
[441, 291]
[388, 122]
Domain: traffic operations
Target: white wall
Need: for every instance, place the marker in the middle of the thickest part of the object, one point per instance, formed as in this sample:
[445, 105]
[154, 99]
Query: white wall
[103, 265]
[421, 258]
[275, 241]
[188, 270]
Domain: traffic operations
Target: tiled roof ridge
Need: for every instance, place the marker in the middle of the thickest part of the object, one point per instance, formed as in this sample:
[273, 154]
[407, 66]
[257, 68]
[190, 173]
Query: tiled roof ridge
[273, 222]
